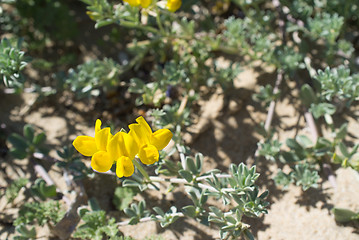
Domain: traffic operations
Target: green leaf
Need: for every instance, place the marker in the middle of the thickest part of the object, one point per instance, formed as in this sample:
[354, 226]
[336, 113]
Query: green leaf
[189, 211]
[123, 196]
[344, 150]
[216, 211]
[320, 109]
[293, 144]
[43, 191]
[191, 166]
[29, 132]
[39, 139]
[130, 183]
[18, 142]
[307, 95]
[134, 221]
[186, 175]
[199, 161]
[342, 132]
[343, 215]
[94, 204]
[304, 141]
[136, 86]
[102, 23]
[248, 235]
[81, 211]
[130, 212]
[22, 229]
[17, 153]
[159, 211]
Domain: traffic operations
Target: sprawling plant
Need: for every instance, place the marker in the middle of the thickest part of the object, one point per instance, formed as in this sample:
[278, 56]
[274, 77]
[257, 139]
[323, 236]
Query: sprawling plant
[172, 55]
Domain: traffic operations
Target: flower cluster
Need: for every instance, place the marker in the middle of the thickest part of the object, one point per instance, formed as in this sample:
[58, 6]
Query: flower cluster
[121, 148]
[171, 5]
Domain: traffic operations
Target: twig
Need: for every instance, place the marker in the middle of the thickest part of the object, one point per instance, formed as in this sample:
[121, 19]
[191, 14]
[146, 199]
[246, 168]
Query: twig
[42, 156]
[64, 228]
[272, 104]
[271, 109]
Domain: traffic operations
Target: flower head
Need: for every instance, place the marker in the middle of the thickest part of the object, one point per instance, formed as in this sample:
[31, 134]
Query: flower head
[96, 147]
[149, 142]
[173, 5]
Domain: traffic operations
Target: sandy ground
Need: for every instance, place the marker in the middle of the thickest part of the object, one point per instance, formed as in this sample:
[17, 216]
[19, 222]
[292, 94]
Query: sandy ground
[227, 135]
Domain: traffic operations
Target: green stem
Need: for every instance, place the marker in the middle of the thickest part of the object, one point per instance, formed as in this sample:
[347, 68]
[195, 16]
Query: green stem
[158, 19]
[141, 169]
[142, 27]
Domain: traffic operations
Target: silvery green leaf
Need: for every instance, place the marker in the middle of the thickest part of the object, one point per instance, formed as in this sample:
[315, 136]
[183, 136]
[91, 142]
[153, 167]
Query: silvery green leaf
[189, 211]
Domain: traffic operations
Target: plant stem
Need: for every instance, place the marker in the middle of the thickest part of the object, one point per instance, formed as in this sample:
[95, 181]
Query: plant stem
[182, 157]
[142, 27]
[158, 20]
[141, 169]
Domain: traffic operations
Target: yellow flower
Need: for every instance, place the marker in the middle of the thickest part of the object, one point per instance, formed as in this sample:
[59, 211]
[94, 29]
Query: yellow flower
[173, 5]
[96, 147]
[123, 149]
[149, 142]
[145, 3]
[136, 3]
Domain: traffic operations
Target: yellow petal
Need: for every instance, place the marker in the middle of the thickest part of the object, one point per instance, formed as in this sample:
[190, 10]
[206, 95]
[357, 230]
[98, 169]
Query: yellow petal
[141, 132]
[98, 125]
[161, 138]
[148, 154]
[124, 167]
[116, 146]
[102, 137]
[85, 145]
[145, 3]
[101, 161]
[173, 5]
[133, 3]
[131, 146]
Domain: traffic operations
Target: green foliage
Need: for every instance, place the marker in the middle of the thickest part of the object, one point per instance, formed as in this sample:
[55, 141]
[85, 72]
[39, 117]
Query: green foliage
[301, 174]
[338, 83]
[123, 196]
[97, 226]
[12, 62]
[347, 158]
[237, 190]
[26, 145]
[72, 163]
[92, 77]
[166, 218]
[41, 19]
[25, 233]
[305, 177]
[40, 212]
[136, 211]
[42, 190]
[270, 149]
[266, 95]
[325, 26]
[249, 36]
[14, 188]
